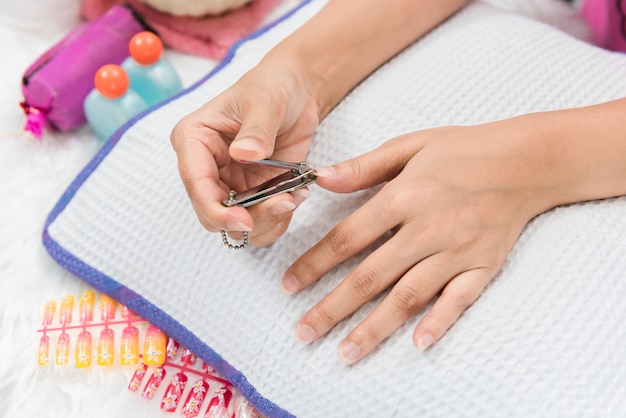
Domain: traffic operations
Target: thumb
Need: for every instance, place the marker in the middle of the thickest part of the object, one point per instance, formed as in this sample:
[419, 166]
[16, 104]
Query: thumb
[257, 135]
[365, 171]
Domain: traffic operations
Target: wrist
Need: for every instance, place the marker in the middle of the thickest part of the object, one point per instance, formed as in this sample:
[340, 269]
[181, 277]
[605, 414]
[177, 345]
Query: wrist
[583, 150]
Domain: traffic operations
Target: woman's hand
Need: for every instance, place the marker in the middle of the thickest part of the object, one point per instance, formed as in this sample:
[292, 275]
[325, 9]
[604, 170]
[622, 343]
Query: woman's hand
[269, 112]
[456, 200]
[274, 109]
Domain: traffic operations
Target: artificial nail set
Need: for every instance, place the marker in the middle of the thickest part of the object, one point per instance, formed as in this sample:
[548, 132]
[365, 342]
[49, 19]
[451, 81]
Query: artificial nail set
[78, 323]
[105, 328]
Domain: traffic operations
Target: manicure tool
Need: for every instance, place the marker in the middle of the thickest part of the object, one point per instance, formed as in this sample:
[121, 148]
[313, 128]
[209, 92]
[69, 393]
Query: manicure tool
[299, 175]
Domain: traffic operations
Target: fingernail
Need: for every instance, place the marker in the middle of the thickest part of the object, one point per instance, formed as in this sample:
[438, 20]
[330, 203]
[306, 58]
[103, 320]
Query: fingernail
[349, 352]
[300, 196]
[325, 171]
[107, 308]
[283, 207]
[106, 347]
[238, 226]
[290, 284]
[305, 334]
[249, 144]
[66, 309]
[154, 345]
[129, 353]
[425, 341]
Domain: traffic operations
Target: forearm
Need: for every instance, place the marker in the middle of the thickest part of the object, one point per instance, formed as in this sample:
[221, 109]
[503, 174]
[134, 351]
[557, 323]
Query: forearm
[347, 40]
[584, 151]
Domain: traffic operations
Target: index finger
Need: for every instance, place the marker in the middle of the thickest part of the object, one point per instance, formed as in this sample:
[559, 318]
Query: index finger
[200, 155]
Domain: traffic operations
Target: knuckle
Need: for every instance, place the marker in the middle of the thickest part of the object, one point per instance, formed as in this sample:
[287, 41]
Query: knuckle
[190, 186]
[367, 333]
[178, 131]
[305, 270]
[322, 317]
[355, 166]
[340, 242]
[407, 299]
[363, 283]
[459, 301]
[396, 196]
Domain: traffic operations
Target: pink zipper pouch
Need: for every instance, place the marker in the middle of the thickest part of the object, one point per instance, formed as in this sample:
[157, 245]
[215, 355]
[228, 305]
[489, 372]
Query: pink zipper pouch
[56, 84]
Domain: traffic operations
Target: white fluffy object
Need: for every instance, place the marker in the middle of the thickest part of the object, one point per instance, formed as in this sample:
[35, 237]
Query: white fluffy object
[195, 8]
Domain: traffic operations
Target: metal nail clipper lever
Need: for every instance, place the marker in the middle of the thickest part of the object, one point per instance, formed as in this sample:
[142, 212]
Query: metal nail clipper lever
[299, 175]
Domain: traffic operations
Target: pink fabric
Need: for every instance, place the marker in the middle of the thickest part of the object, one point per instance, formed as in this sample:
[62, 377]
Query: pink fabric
[607, 21]
[209, 37]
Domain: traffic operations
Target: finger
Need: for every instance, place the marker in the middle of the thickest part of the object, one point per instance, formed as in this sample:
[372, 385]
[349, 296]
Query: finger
[345, 240]
[415, 288]
[369, 169]
[412, 292]
[257, 134]
[271, 218]
[270, 235]
[206, 224]
[271, 223]
[198, 168]
[458, 295]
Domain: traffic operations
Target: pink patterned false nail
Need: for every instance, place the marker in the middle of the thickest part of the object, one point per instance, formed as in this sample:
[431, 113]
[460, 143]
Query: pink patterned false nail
[219, 404]
[129, 352]
[85, 306]
[209, 370]
[63, 349]
[44, 350]
[65, 311]
[48, 312]
[154, 383]
[197, 394]
[83, 350]
[172, 348]
[106, 347]
[188, 358]
[154, 346]
[173, 392]
[243, 409]
[135, 381]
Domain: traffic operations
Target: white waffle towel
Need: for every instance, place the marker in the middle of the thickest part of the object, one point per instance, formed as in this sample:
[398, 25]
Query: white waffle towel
[546, 338]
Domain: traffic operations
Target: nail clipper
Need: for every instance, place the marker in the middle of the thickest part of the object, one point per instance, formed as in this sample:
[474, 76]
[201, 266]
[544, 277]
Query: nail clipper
[299, 175]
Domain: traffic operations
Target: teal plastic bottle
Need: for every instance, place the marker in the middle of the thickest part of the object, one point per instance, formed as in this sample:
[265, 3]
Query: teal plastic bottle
[151, 75]
[111, 103]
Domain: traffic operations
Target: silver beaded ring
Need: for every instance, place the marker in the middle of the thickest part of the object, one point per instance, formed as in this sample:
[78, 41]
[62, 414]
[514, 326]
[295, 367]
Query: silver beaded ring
[231, 245]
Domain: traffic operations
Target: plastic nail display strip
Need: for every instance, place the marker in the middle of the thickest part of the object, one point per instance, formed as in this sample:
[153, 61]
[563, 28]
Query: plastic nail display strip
[89, 332]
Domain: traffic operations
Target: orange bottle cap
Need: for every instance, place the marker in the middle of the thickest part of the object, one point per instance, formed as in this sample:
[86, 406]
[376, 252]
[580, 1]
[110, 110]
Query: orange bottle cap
[111, 81]
[146, 48]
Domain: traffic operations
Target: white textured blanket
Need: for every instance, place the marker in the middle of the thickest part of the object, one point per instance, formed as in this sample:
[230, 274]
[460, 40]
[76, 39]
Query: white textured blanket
[545, 339]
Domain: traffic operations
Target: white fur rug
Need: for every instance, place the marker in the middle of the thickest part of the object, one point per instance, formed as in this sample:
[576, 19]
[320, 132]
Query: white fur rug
[32, 177]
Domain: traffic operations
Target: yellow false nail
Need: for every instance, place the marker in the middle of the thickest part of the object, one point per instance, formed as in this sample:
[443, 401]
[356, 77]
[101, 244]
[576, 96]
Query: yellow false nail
[48, 312]
[44, 350]
[129, 353]
[65, 311]
[106, 347]
[107, 308]
[154, 346]
[83, 350]
[85, 306]
[63, 349]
